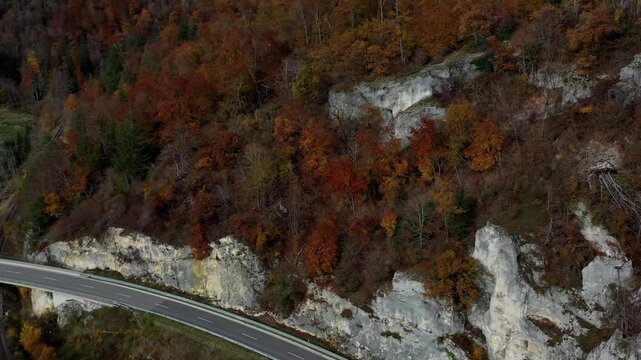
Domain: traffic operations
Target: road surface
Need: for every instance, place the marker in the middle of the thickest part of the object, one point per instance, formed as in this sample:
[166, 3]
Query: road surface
[244, 332]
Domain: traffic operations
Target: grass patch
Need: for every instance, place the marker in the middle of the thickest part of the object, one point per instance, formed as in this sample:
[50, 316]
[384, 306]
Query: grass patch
[13, 126]
[265, 319]
[115, 333]
[524, 215]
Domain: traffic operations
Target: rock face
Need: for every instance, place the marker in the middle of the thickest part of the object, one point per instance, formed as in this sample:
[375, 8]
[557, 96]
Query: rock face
[629, 86]
[609, 268]
[402, 324]
[517, 321]
[573, 86]
[232, 276]
[403, 101]
[521, 323]
[507, 318]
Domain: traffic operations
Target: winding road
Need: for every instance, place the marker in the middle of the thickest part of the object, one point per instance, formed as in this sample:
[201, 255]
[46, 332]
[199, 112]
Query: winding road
[250, 334]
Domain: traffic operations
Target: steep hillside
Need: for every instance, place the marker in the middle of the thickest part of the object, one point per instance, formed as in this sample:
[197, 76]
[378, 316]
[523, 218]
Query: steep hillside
[340, 142]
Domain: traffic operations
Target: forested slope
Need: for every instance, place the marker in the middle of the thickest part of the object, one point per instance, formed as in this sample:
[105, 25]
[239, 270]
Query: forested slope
[191, 120]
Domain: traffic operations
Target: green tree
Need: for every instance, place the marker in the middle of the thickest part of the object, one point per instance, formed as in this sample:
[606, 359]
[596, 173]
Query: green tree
[463, 221]
[86, 151]
[131, 152]
[84, 61]
[111, 73]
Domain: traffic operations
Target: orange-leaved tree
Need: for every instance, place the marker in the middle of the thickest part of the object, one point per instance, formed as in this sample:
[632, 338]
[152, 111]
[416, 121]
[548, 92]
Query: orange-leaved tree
[423, 139]
[346, 181]
[485, 150]
[31, 340]
[200, 249]
[389, 222]
[317, 143]
[322, 249]
[453, 278]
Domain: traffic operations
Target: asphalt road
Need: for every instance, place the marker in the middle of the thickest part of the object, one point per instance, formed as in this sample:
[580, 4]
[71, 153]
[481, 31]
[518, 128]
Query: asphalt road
[244, 332]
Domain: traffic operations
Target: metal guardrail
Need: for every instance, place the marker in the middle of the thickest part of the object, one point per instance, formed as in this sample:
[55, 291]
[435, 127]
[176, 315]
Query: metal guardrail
[217, 311]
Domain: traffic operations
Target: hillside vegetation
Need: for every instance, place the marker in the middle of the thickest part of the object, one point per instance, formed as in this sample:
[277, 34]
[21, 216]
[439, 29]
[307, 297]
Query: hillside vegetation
[192, 120]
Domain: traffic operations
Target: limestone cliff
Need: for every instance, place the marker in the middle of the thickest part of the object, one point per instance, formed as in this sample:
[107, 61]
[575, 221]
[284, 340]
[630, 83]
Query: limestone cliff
[232, 276]
[517, 321]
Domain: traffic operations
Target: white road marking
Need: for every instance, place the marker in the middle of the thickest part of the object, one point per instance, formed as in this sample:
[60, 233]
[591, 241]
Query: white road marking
[50, 278]
[125, 295]
[162, 306]
[87, 286]
[203, 319]
[249, 336]
[292, 354]
[13, 272]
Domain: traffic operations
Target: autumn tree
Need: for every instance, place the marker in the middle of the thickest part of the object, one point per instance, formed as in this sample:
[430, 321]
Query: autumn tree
[452, 277]
[437, 25]
[418, 215]
[31, 340]
[322, 248]
[260, 172]
[445, 200]
[423, 139]
[286, 133]
[317, 143]
[52, 204]
[594, 27]
[485, 149]
[346, 181]
[200, 248]
[389, 223]
[32, 77]
[460, 119]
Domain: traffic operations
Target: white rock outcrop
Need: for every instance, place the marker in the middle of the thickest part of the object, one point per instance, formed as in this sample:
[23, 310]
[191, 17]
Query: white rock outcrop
[617, 348]
[574, 87]
[66, 307]
[232, 276]
[610, 268]
[403, 323]
[628, 88]
[506, 319]
[41, 302]
[517, 321]
[403, 101]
